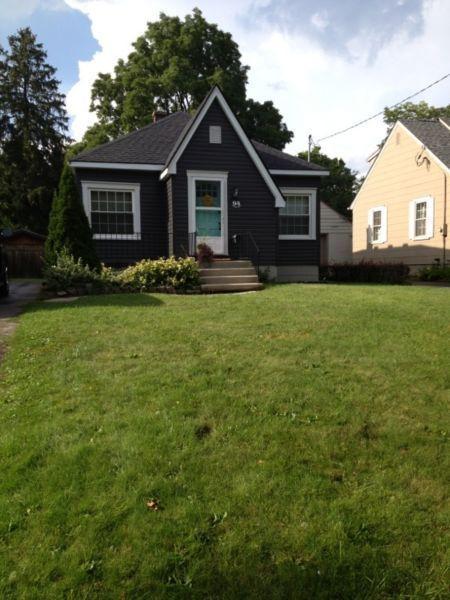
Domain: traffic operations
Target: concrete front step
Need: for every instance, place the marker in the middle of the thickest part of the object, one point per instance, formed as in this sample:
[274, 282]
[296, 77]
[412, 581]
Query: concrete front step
[231, 287]
[227, 272]
[229, 279]
[229, 264]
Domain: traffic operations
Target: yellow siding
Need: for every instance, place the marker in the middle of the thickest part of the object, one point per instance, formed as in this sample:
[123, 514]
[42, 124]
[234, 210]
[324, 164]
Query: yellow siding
[394, 181]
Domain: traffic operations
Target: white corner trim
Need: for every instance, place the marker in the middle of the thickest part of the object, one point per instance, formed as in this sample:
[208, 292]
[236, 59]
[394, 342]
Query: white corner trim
[216, 94]
[300, 172]
[116, 166]
[312, 193]
[134, 188]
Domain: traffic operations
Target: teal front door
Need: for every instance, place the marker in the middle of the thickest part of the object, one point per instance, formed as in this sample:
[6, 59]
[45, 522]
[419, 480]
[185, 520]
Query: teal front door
[209, 214]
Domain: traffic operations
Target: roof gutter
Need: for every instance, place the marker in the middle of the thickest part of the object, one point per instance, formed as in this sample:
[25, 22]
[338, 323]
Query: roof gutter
[299, 172]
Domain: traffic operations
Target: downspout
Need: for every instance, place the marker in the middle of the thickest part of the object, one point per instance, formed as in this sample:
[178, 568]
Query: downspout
[444, 224]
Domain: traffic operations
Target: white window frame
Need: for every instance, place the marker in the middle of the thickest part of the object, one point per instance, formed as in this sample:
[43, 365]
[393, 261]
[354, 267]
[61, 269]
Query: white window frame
[429, 223]
[383, 231]
[215, 134]
[135, 189]
[312, 195]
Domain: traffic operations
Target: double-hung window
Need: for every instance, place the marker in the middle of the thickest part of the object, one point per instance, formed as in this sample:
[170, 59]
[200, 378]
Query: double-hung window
[113, 209]
[421, 218]
[297, 219]
[378, 225]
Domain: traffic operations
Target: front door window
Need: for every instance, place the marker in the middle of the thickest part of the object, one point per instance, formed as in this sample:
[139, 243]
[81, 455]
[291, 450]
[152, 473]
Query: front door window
[208, 213]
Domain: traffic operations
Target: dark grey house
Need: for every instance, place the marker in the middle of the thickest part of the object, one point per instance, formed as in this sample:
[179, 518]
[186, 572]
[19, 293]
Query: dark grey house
[185, 179]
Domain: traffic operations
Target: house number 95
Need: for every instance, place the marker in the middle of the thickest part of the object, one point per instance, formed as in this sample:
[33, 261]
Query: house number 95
[236, 204]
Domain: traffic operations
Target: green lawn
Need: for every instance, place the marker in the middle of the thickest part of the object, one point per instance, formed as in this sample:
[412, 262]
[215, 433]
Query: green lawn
[295, 441]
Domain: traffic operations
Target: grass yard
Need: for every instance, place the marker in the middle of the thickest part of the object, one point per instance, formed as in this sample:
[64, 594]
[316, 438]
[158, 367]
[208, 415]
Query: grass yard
[294, 441]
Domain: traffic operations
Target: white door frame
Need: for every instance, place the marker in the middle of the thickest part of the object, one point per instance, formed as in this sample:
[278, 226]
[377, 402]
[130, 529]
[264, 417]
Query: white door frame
[222, 178]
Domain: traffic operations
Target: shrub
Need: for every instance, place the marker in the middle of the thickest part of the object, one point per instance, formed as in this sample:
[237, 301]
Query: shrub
[72, 276]
[68, 226]
[366, 272]
[205, 254]
[435, 273]
[164, 273]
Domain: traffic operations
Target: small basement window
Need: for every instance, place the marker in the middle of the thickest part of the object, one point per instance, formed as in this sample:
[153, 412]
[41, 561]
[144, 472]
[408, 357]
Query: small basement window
[113, 210]
[215, 134]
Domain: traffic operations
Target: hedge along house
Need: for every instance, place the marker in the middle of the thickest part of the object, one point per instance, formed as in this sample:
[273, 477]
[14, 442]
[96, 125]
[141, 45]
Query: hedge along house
[187, 179]
[401, 212]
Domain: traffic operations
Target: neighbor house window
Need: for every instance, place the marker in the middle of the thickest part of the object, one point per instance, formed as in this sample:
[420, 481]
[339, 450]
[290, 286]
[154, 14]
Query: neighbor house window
[112, 209]
[297, 220]
[378, 225]
[421, 218]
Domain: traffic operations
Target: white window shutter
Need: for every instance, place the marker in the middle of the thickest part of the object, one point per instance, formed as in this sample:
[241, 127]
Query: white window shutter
[430, 218]
[412, 219]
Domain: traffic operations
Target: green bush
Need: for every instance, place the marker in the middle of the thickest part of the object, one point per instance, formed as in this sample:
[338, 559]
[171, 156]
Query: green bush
[164, 273]
[435, 273]
[366, 272]
[73, 277]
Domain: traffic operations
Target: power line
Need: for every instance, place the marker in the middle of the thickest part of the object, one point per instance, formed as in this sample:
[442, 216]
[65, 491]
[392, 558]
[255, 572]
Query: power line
[379, 114]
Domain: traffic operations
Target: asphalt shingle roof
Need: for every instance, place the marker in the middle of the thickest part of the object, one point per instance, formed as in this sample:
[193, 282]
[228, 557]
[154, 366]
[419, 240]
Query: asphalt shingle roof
[157, 142]
[433, 134]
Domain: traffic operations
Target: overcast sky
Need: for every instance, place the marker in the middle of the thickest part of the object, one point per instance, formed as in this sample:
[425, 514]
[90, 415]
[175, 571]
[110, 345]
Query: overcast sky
[325, 64]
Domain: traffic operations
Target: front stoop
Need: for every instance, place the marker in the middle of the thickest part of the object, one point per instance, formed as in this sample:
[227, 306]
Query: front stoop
[229, 276]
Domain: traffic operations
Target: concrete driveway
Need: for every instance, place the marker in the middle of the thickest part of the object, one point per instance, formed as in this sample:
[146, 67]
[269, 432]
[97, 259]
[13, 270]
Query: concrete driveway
[21, 293]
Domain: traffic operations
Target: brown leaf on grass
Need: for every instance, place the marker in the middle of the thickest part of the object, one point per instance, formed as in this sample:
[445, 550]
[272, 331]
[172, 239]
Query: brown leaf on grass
[153, 504]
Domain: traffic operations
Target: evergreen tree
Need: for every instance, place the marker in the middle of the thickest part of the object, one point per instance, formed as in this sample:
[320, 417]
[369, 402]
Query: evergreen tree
[69, 227]
[172, 67]
[33, 126]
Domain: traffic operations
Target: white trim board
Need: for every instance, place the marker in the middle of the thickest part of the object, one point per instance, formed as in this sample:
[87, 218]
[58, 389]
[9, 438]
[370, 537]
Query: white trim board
[300, 172]
[312, 193]
[216, 94]
[79, 164]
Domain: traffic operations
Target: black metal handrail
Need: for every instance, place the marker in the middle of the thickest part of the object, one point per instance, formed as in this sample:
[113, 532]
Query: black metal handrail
[244, 246]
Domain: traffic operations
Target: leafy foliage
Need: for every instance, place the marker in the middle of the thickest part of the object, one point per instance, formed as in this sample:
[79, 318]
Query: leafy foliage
[410, 110]
[173, 66]
[33, 126]
[339, 188]
[435, 273]
[68, 227]
[205, 254]
[366, 272]
[173, 273]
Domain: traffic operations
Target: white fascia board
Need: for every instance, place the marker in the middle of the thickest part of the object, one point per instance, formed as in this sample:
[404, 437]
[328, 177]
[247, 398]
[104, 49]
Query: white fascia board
[116, 166]
[301, 172]
[216, 94]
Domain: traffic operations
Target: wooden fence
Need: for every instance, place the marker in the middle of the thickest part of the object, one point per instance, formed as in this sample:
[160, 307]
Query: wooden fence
[24, 262]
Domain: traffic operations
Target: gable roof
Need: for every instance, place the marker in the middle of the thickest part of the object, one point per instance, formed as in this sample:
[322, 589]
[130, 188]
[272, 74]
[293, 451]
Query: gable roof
[446, 121]
[433, 134]
[215, 95]
[277, 160]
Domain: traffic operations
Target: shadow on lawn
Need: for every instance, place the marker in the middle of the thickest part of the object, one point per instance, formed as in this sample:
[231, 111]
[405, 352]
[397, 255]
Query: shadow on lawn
[106, 301]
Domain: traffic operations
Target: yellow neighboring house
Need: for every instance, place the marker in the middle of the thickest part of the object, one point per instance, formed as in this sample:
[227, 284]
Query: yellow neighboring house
[403, 207]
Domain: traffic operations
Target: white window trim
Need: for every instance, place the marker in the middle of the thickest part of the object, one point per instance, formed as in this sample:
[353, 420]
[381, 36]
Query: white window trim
[429, 200]
[383, 237]
[134, 188]
[312, 193]
[221, 176]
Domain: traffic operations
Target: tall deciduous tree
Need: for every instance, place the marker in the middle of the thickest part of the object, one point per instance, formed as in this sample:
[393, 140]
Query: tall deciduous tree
[69, 228]
[410, 110]
[172, 67]
[339, 188]
[33, 126]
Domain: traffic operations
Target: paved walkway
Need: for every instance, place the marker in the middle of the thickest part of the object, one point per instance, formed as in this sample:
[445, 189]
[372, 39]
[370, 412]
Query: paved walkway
[21, 293]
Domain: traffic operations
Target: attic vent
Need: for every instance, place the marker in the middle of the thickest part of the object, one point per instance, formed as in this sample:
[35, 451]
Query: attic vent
[398, 138]
[215, 134]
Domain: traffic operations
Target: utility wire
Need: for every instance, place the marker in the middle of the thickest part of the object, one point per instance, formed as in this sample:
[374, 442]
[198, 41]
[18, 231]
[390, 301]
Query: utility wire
[379, 114]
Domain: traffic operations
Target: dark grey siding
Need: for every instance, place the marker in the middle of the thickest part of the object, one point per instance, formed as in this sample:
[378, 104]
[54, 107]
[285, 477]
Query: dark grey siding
[154, 238]
[257, 213]
[169, 192]
[300, 252]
